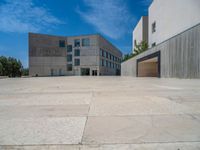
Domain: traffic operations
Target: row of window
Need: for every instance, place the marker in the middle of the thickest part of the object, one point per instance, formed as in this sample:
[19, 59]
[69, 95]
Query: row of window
[77, 43]
[108, 55]
[106, 63]
[76, 63]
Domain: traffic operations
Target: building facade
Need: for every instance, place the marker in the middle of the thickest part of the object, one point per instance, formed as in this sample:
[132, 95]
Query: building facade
[174, 47]
[167, 18]
[140, 33]
[75, 55]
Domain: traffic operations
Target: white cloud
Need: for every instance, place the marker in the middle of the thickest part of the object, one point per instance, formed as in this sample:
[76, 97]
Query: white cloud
[23, 16]
[110, 17]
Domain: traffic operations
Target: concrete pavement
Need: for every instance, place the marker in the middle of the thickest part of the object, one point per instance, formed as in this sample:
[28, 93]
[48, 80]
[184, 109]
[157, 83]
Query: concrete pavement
[99, 113]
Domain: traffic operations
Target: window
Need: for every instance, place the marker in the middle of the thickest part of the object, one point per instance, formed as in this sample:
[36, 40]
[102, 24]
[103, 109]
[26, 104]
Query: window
[104, 53]
[153, 45]
[86, 42]
[110, 56]
[69, 67]
[106, 63]
[69, 58]
[77, 43]
[153, 27]
[77, 62]
[110, 64]
[69, 48]
[61, 43]
[77, 52]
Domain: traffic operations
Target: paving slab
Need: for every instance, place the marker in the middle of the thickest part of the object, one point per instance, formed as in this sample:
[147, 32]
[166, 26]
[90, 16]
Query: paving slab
[43, 111]
[36, 131]
[137, 105]
[39, 99]
[141, 129]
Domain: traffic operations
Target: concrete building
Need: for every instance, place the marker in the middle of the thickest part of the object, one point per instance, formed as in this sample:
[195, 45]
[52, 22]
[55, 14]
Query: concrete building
[167, 18]
[174, 47]
[75, 55]
[140, 33]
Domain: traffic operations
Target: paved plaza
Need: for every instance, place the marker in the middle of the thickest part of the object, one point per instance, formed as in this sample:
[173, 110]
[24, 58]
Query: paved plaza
[99, 113]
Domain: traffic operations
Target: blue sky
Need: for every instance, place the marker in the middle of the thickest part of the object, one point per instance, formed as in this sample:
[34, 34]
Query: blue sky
[114, 19]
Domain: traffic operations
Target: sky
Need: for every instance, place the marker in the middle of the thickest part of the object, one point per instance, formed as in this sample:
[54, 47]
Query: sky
[114, 19]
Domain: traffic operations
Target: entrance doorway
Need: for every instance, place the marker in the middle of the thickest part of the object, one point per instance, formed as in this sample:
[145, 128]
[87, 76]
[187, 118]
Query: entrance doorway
[85, 71]
[149, 66]
[94, 72]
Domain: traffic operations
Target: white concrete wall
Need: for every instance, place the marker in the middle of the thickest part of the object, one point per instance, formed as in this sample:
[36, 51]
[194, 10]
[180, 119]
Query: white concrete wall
[138, 33]
[172, 17]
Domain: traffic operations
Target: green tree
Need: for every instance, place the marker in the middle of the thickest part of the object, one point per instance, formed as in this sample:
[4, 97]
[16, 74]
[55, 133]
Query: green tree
[1, 69]
[139, 48]
[10, 67]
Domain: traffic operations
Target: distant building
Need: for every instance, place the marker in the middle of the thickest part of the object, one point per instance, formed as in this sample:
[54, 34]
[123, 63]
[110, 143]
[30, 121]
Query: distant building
[173, 39]
[140, 33]
[76, 55]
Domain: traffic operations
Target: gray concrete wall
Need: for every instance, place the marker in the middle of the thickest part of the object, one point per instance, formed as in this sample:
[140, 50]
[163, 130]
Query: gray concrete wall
[172, 17]
[45, 54]
[140, 32]
[180, 56]
[107, 46]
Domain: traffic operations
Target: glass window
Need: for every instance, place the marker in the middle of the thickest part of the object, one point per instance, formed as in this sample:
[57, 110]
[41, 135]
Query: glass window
[86, 42]
[69, 48]
[153, 27]
[106, 63]
[77, 43]
[61, 43]
[110, 57]
[69, 67]
[69, 58]
[77, 52]
[77, 62]
[104, 53]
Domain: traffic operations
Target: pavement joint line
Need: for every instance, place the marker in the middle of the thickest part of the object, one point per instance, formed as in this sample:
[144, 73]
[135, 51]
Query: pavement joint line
[92, 96]
[99, 144]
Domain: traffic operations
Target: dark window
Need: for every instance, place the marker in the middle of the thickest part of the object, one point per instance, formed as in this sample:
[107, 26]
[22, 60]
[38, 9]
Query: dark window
[153, 27]
[69, 58]
[77, 52]
[110, 56]
[77, 43]
[86, 42]
[69, 48]
[77, 62]
[61, 43]
[69, 67]
[106, 54]
[153, 45]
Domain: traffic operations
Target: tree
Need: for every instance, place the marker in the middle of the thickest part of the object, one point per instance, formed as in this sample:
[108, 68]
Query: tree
[10, 67]
[1, 69]
[139, 48]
